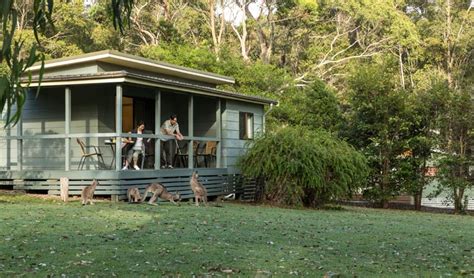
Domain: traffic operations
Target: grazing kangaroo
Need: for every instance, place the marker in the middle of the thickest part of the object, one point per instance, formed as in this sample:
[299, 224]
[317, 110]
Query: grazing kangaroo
[88, 193]
[200, 192]
[133, 195]
[159, 190]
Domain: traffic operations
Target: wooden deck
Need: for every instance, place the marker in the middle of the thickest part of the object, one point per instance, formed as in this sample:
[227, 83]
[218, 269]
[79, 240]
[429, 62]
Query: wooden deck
[115, 183]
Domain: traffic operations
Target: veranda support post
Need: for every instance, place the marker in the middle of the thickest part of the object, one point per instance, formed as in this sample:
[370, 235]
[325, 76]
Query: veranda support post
[218, 134]
[191, 131]
[67, 128]
[19, 142]
[157, 129]
[118, 127]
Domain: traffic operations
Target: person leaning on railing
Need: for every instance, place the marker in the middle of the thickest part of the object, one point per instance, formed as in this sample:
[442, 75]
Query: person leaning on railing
[170, 127]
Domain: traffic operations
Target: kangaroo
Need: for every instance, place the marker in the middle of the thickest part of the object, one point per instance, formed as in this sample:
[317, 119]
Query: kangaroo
[159, 190]
[87, 193]
[200, 192]
[133, 195]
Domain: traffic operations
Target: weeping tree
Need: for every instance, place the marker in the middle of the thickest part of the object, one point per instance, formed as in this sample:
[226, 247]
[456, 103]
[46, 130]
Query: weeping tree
[17, 58]
[304, 167]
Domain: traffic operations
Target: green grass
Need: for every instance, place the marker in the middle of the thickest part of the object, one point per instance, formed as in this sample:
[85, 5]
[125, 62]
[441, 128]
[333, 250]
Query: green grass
[46, 237]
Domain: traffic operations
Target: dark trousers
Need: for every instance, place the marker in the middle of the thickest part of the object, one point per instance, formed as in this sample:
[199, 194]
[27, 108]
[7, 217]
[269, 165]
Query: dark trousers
[168, 151]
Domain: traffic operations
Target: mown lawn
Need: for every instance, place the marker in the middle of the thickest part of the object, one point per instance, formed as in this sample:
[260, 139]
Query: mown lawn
[46, 237]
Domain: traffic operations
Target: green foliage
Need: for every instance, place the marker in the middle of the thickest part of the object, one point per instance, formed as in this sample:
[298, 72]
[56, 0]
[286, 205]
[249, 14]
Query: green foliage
[456, 144]
[302, 166]
[74, 25]
[121, 13]
[454, 179]
[260, 79]
[424, 106]
[17, 59]
[184, 55]
[50, 47]
[314, 106]
[251, 78]
[378, 124]
[419, 52]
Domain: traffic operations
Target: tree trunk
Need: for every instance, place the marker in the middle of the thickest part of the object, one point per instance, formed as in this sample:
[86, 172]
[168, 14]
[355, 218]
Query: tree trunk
[449, 46]
[216, 34]
[385, 184]
[458, 200]
[417, 198]
[244, 50]
[400, 61]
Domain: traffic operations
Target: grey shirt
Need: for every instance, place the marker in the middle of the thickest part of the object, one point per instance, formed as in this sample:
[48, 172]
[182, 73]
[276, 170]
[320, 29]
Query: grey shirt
[168, 129]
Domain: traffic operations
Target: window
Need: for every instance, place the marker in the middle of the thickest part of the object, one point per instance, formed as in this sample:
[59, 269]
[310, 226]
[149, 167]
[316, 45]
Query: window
[245, 125]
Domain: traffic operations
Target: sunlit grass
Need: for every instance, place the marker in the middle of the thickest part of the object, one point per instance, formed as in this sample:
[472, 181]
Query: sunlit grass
[47, 237]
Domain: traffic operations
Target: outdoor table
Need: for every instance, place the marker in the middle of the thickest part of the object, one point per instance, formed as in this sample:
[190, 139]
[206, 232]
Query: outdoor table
[111, 143]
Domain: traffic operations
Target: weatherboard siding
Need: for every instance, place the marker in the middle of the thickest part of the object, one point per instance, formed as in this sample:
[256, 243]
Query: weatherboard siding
[44, 114]
[232, 146]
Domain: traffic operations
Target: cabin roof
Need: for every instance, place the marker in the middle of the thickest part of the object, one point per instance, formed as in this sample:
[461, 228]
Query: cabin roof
[134, 78]
[135, 62]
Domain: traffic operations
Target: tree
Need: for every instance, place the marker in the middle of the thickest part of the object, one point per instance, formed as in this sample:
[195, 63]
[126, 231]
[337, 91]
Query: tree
[336, 33]
[215, 20]
[423, 108]
[18, 59]
[457, 140]
[241, 31]
[447, 55]
[378, 125]
[314, 107]
[304, 167]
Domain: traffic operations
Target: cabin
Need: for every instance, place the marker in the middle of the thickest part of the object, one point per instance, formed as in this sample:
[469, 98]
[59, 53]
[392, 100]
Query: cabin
[75, 126]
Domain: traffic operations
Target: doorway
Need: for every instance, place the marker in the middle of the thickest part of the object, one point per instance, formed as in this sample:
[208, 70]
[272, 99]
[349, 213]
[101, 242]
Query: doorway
[135, 109]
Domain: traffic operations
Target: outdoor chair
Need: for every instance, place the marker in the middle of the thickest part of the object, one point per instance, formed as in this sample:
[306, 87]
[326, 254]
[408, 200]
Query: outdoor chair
[200, 152]
[85, 154]
[149, 161]
[211, 153]
[181, 156]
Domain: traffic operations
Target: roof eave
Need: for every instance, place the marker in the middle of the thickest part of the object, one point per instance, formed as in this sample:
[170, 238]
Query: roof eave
[115, 57]
[123, 76]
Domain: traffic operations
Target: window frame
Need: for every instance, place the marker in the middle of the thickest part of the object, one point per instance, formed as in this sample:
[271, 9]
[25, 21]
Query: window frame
[246, 126]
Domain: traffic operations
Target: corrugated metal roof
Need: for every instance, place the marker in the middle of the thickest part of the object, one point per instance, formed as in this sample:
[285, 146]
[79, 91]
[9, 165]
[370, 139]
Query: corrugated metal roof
[137, 62]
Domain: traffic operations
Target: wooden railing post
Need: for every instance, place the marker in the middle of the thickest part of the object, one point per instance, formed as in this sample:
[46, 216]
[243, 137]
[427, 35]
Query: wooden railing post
[67, 128]
[157, 129]
[218, 133]
[191, 131]
[64, 189]
[118, 127]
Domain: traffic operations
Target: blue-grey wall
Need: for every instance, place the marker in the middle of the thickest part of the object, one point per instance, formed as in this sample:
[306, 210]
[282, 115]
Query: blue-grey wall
[92, 111]
[232, 146]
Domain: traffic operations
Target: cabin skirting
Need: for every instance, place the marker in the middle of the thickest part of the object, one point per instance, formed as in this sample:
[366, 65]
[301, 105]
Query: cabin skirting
[116, 183]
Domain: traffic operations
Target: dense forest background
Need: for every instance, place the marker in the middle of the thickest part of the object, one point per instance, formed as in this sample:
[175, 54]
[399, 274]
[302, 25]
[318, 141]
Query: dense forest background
[393, 78]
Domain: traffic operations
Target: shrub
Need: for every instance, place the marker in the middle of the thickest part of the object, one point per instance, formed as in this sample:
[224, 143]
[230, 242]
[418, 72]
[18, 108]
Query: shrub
[304, 167]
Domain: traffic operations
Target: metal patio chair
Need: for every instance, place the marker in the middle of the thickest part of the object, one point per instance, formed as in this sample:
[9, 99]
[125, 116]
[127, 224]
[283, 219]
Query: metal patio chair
[200, 151]
[181, 156]
[85, 154]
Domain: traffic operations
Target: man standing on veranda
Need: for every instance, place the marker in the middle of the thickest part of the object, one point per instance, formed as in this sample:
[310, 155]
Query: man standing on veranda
[170, 127]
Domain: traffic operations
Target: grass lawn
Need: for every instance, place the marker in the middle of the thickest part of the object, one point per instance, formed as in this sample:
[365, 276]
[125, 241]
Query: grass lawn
[46, 237]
